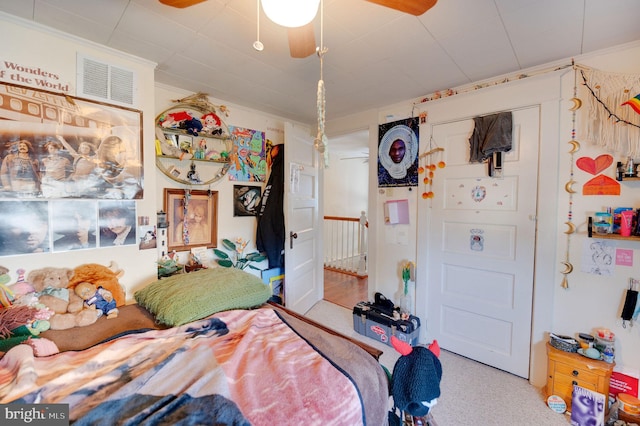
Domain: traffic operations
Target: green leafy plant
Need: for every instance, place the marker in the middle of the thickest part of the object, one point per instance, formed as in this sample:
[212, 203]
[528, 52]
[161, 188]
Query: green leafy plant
[238, 259]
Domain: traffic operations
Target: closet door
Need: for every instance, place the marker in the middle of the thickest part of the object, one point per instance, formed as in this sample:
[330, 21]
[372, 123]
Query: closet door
[481, 248]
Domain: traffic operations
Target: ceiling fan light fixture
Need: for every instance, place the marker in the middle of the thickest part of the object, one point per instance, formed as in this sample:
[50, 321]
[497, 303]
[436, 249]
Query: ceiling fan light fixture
[290, 13]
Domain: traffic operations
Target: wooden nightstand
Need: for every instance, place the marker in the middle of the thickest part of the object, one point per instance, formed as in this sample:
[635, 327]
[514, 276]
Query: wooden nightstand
[565, 369]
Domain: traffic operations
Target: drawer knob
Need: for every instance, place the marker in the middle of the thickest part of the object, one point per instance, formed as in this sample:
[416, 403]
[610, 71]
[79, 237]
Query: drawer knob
[575, 373]
[574, 383]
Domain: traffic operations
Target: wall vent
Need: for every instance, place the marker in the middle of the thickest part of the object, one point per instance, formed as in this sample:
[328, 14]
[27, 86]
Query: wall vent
[104, 82]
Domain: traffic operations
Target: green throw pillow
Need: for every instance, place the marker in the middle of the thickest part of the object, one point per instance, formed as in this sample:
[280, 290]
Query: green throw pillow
[183, 298]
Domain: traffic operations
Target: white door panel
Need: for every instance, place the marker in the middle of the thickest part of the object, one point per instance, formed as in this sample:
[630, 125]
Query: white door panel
[481, 248]
[303, 259]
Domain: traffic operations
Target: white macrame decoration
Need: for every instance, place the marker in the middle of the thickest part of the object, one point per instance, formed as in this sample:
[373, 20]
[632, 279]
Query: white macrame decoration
[606, 122]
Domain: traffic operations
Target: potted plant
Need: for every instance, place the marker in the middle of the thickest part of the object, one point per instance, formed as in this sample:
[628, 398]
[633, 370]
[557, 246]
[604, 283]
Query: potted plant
[238, 259]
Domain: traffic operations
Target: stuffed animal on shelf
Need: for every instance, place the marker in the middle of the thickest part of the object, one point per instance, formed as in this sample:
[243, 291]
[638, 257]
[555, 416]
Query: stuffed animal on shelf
[415, 382]
[193, 126]
[106, 277]
[52, 288]
[98, 298]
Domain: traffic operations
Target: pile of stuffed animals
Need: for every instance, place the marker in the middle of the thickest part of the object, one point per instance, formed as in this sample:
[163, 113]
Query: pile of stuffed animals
[57, 299]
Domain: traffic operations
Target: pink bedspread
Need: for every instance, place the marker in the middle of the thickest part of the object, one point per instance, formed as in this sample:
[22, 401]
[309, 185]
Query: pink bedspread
[248, 368]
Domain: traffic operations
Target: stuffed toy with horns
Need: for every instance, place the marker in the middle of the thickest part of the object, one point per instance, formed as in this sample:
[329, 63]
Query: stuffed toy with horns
[415, 382]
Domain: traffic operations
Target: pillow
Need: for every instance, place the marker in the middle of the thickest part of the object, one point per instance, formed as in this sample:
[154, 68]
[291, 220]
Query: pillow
[183, 298]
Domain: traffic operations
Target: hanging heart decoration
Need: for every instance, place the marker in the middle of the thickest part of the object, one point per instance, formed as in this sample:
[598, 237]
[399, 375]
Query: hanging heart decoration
[594, 166]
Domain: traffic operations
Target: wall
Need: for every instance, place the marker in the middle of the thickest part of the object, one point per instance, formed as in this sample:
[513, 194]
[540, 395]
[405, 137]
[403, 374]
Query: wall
[229, 227]
[36, 47]
[591, 301]
[55, 52]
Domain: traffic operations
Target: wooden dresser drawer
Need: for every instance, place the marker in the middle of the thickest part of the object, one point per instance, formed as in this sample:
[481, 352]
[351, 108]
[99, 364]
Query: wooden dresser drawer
[576, 373]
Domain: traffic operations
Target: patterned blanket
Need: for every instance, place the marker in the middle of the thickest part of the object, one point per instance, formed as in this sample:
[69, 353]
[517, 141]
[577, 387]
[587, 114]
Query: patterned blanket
[235, 368]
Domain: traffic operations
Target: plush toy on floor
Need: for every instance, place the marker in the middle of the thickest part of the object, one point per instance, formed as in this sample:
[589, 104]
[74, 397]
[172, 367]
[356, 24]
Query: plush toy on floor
[415, 382]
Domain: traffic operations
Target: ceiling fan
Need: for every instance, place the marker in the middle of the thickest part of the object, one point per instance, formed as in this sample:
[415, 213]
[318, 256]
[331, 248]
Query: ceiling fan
[302, 41]
[364, 157]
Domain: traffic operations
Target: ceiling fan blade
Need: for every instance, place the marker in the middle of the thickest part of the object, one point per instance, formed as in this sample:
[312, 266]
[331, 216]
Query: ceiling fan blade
[302, 41]
[413, 7]
[181, 4]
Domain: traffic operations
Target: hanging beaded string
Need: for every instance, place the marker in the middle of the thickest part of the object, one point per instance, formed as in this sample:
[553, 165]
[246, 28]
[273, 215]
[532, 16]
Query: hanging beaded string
[428, 168]
[185, 216]
[575, 146]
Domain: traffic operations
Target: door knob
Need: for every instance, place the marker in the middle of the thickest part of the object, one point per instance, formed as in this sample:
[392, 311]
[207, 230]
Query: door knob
[292, 236]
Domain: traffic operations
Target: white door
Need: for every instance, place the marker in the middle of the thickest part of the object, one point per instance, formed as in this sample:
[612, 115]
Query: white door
[304, 279]
[481, 248]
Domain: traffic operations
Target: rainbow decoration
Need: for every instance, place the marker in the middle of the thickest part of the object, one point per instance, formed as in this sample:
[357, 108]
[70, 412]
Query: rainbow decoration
[634, 103]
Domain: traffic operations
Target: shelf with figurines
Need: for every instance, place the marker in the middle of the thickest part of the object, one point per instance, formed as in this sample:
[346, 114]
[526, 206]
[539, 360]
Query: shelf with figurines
[193, 131]
[594, 231]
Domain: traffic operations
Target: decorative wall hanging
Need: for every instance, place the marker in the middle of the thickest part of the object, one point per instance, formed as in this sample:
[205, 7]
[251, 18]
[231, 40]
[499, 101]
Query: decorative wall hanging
[609, 121]
[192, 217]
[600, 184]
[192, 133]
[398, 153]
[429, 162]
[576, 103]
[248, 155]
[60, 146]
[321, 141]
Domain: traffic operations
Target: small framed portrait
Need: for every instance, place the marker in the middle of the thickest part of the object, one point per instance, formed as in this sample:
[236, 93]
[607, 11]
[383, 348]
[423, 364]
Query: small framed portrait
[192, 217]
[246, 200]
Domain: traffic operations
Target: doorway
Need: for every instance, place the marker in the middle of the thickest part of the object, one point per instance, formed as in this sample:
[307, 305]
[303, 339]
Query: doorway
[346, 194]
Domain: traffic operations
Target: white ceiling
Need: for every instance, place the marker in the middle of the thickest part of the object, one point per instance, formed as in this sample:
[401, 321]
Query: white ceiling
[376, 57]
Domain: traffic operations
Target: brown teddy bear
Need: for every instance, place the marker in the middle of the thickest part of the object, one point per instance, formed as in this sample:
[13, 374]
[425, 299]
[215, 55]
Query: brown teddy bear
[54, 291]
[101, 276]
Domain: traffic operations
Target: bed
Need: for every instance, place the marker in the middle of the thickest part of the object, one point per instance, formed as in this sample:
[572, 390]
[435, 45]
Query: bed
[244, 365]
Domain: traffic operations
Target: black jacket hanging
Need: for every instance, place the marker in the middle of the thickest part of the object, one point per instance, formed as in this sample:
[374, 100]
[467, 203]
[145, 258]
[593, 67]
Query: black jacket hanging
[270, 234]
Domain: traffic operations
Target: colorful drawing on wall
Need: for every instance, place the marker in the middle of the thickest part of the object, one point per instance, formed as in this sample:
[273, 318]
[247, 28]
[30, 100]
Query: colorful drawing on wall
[24, 227]
[600, 184]
[248, 155]
[246, 200]
[398, 153]
[59, 146]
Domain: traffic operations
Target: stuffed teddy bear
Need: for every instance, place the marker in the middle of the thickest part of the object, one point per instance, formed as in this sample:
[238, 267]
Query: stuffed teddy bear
[52, 287]
[98, 298]
[101, 276]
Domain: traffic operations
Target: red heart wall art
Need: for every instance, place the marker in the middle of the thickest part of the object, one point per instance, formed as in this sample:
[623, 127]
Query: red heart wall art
[596, 166]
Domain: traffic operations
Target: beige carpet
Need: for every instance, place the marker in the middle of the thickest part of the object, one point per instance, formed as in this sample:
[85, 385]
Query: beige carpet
[473, 394]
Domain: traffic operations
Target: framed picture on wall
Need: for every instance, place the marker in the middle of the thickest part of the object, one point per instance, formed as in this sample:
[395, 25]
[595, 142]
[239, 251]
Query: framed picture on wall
[59, 146]
[192, 217]
[246, 200]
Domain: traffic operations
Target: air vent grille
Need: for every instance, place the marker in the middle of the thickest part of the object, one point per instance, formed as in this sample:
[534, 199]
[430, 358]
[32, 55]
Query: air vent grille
[101, 81]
